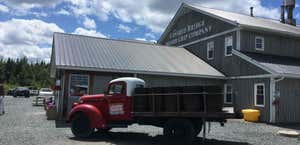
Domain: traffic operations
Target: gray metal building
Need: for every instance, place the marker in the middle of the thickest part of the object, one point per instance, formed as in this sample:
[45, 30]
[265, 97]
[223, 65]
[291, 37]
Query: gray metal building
[256, 59]
[260, 57]
[85, 65]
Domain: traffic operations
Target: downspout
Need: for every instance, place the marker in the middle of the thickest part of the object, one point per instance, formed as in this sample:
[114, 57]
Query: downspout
[273, 96]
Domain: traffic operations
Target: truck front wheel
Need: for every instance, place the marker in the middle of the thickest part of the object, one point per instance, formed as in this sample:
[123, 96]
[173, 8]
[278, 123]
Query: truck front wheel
[179, 131]
[81, 126]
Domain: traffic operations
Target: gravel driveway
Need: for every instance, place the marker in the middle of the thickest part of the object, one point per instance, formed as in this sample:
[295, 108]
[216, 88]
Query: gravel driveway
[24, 124]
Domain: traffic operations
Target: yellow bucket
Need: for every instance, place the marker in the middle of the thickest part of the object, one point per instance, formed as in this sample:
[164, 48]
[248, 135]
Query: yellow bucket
[251, 115]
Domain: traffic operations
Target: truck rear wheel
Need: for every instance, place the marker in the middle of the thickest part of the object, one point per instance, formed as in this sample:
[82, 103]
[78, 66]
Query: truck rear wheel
[197, 127]
[81, 126]
[179, 131]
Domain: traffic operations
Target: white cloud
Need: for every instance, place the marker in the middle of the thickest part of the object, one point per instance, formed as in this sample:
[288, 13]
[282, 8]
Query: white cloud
[150, 35]
[22, 7]
[30, 38]
[82, 31]
[124, 28]
[141, 39]
[297, 16]
[144, 39]
[4, 8]
[155, 14]
[63, 12]
[89, 23]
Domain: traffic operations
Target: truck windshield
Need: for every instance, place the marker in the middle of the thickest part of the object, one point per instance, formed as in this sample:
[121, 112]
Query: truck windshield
[116, 89]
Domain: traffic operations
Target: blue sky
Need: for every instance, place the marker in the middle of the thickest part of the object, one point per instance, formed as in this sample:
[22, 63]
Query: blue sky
[26, 26]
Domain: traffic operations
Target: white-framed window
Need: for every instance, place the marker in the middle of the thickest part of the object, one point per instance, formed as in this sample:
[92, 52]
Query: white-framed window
[259, 43]
[79, 84]
[228, 94]
[228, 46]
[210, 50]
[259, 94]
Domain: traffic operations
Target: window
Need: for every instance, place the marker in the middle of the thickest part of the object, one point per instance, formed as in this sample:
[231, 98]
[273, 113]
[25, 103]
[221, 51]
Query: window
[210, 50]
[79, 84]
[259, 43]
[228, 94]
[259, 94]
[228, 46]
[116, 89]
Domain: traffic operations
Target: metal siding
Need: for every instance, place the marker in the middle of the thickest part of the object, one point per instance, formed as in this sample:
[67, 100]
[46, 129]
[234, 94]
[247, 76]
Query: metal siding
[230, 65]
[91, 52]
[101, 83]
[274, 44]
[289, 108]
[244, 96]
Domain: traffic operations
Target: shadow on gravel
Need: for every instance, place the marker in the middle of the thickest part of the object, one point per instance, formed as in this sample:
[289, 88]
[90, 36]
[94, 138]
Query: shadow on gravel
[122, 138]
[61, 124]
[294, 126]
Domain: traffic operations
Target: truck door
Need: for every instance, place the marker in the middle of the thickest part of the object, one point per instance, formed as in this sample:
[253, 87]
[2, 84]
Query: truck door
[119, 104]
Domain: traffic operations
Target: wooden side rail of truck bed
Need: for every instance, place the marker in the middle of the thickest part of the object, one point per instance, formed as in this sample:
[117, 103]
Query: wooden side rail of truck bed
[191, 105]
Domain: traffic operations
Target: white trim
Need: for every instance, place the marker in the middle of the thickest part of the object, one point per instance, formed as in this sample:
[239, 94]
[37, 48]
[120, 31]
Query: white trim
[272, 111]
[210, 46]
[254, 62]
[255, 94]
[225, 94]
[238, 39]
[262, 43]
[252, 76]
[140, 72]
[70, 76]
[209, 37]
[228, 38]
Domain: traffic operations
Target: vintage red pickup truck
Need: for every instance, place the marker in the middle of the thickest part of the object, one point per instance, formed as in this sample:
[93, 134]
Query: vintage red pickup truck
[180, 111]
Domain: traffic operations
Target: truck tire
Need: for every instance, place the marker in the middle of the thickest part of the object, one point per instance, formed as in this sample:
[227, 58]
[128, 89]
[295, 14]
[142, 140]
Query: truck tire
[179, 131]
[197, 127]
[81, 126]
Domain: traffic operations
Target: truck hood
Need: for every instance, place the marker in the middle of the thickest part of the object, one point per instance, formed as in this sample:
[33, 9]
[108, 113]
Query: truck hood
[91, 97]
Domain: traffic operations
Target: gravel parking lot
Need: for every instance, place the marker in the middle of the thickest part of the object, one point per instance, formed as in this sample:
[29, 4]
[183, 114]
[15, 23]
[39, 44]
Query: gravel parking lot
[24, 124]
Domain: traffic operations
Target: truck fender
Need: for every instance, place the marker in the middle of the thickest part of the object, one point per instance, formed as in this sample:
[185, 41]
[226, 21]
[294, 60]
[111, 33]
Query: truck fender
[94, 114]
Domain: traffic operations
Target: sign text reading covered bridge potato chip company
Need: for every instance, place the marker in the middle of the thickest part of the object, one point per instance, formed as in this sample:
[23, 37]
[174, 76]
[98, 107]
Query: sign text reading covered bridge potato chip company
[188, 32]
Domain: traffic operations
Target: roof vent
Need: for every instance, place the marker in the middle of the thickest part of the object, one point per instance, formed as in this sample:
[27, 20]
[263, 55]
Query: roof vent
[251, 12]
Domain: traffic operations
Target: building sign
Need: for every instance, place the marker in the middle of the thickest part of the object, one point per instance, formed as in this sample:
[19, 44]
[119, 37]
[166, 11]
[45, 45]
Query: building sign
[190, 31]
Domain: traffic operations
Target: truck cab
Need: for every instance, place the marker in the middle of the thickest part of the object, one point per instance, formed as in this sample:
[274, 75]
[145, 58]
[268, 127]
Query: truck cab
[97, 111]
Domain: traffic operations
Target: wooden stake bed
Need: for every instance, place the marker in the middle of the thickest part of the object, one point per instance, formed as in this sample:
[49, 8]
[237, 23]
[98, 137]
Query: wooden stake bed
[191, 102]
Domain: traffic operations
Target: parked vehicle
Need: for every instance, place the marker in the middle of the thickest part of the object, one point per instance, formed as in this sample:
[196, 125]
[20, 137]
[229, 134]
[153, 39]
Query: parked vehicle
[11, 92]
[45, 92]
[33, 91]
[2, 111]
[21, 91]
[180, 111]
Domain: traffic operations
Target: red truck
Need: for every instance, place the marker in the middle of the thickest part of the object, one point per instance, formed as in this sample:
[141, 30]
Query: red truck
[180, 111]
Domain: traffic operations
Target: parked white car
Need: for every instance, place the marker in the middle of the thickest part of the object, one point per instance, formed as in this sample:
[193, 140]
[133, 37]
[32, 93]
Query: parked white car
[45, 92]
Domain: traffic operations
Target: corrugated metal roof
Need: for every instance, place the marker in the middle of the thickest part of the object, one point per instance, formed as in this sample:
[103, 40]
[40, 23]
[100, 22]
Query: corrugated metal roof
[252, 22]
[279, 64]
[99, 54]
